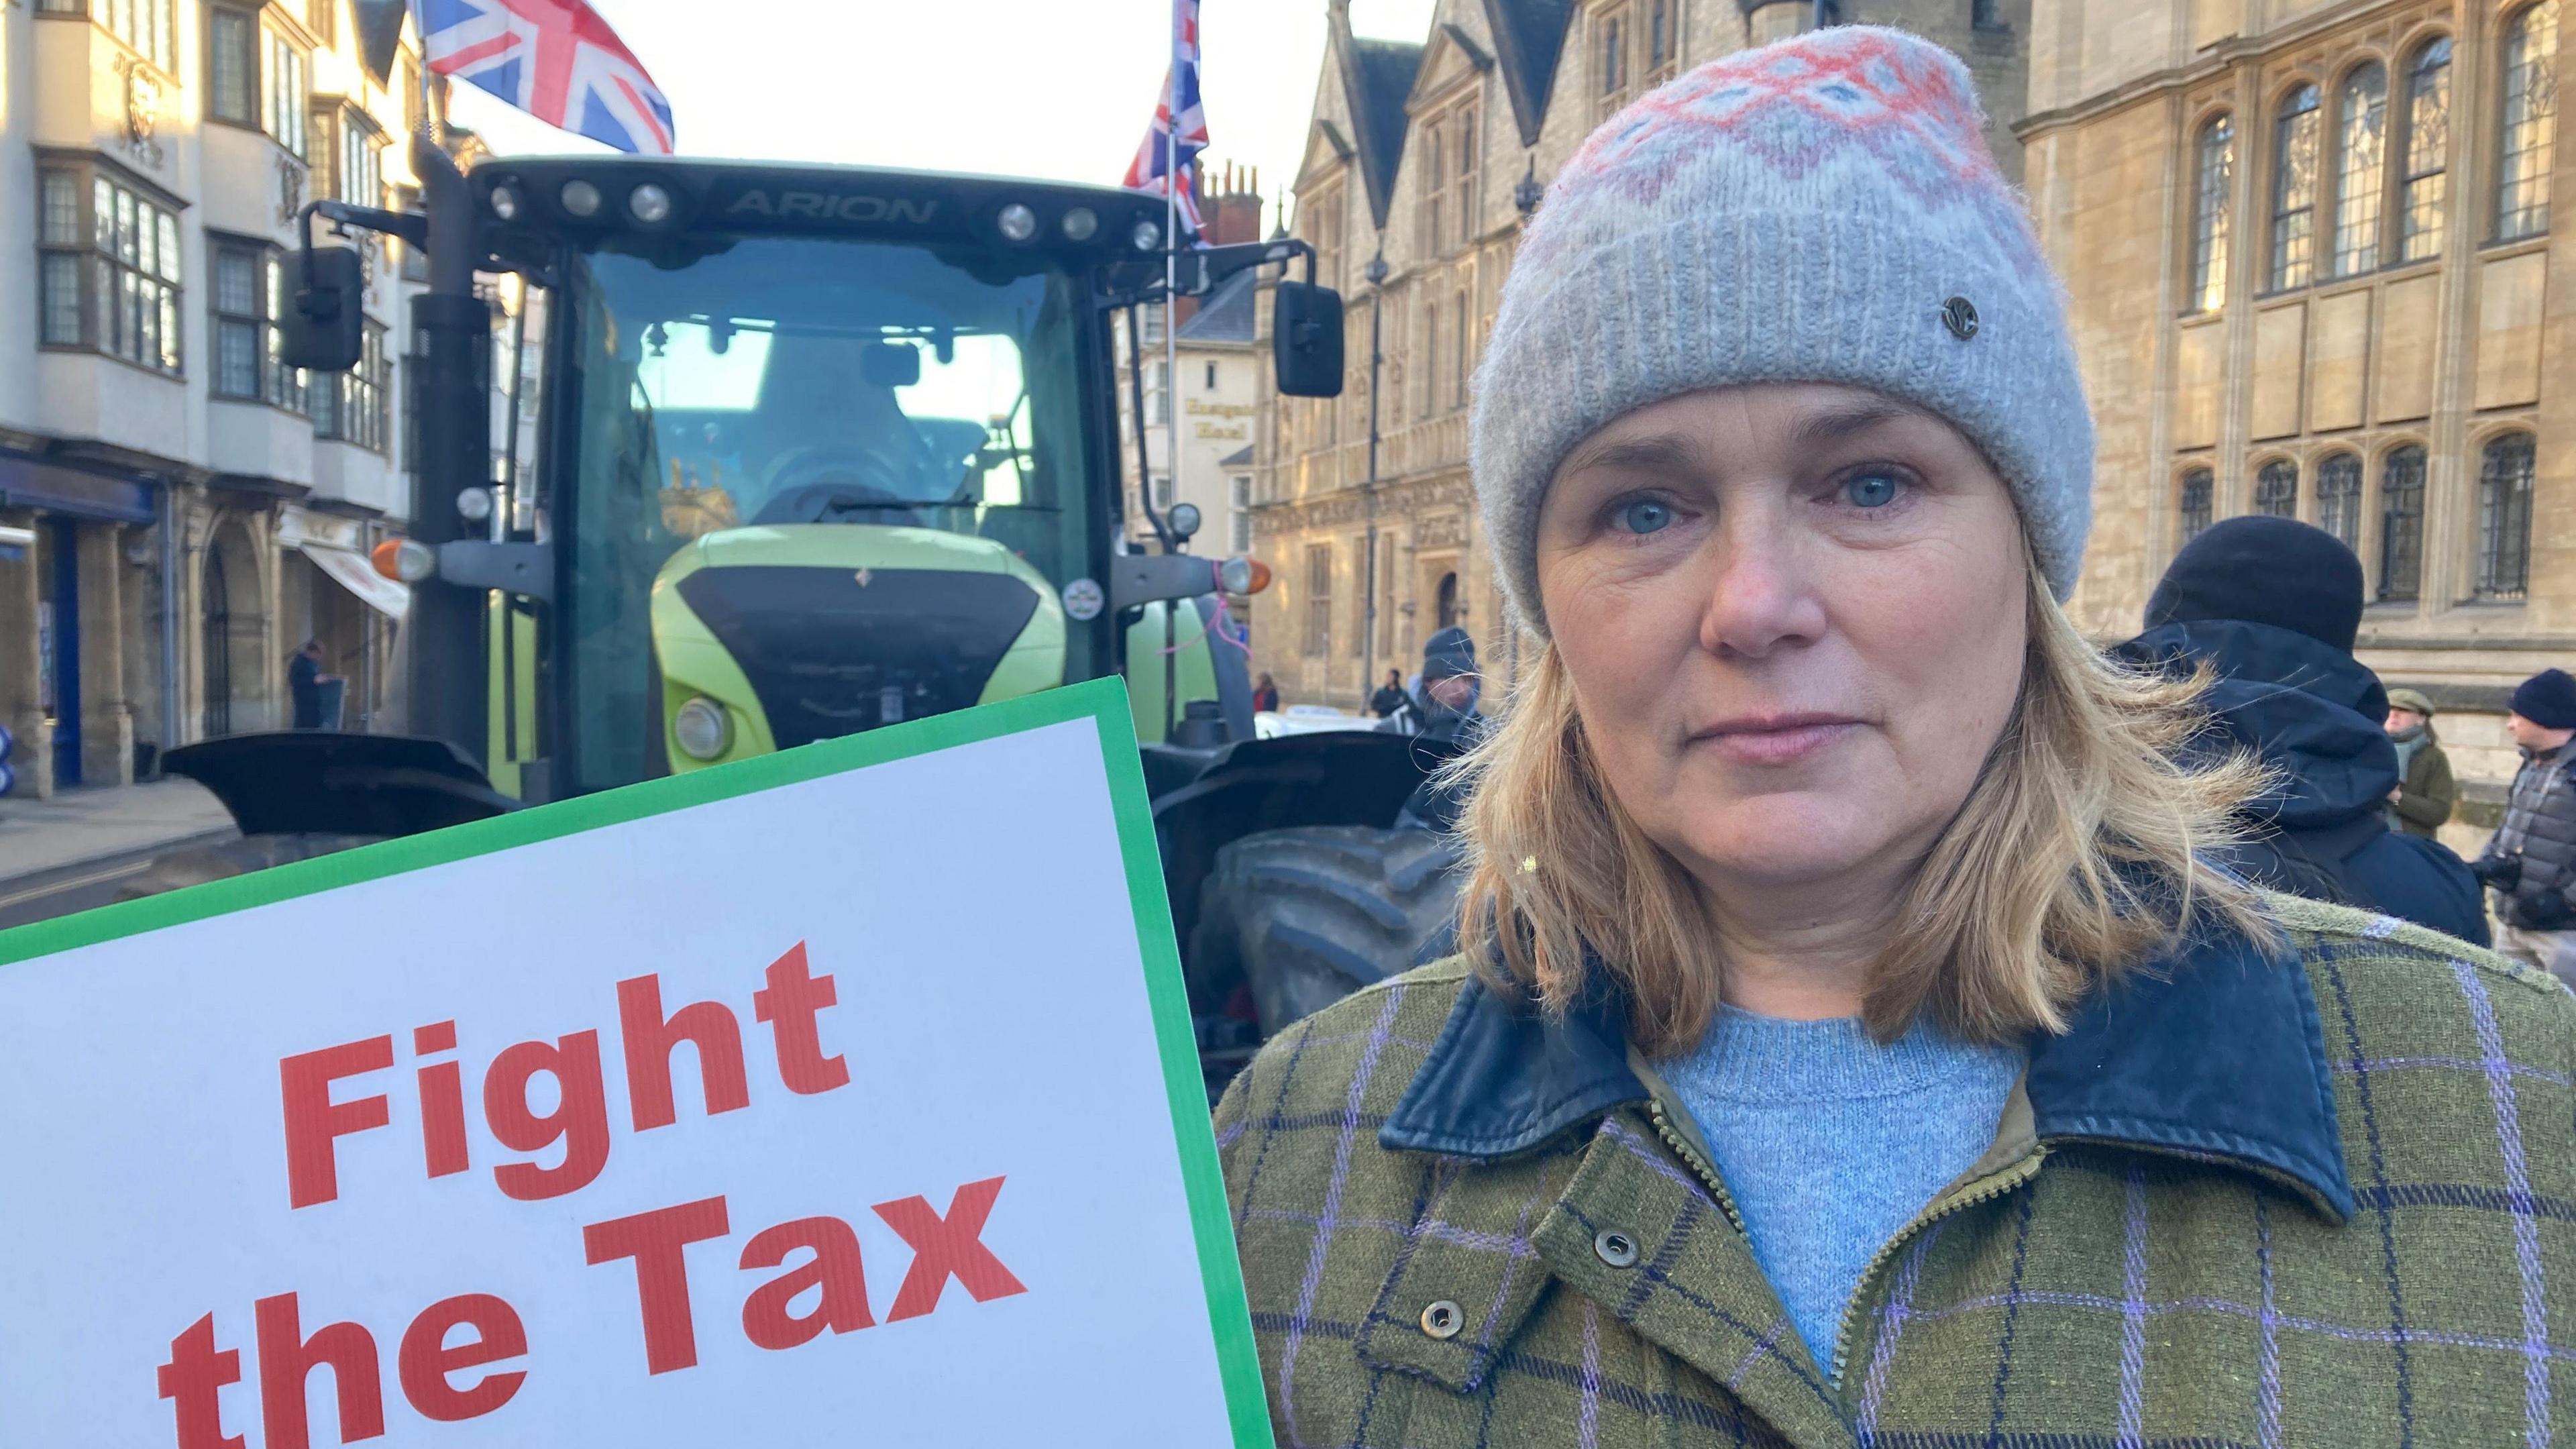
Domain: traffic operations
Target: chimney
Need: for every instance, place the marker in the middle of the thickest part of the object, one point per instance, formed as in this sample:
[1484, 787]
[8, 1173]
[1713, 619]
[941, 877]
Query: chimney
[1234, 205]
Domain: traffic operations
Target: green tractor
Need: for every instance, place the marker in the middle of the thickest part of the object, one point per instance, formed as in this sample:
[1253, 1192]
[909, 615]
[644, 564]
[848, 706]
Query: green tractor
[814, 451]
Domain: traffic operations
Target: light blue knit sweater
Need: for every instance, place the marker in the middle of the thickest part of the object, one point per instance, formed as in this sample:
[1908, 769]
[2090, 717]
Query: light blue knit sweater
[1829, 1143]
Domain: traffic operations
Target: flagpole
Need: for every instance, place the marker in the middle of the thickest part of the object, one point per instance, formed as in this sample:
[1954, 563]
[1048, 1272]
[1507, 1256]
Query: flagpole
[1171, 266]
[1171, 352]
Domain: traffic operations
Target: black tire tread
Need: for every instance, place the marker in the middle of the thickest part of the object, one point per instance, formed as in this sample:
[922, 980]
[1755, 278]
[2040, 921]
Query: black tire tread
[1311, 914]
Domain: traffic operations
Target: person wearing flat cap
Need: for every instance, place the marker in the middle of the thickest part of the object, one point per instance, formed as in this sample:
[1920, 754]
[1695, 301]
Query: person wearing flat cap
[2426, 794]
[1855, 1035]
[2529, 865]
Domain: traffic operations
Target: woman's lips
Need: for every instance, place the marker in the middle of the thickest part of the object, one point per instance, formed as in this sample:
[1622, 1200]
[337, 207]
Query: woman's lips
[1775, 739]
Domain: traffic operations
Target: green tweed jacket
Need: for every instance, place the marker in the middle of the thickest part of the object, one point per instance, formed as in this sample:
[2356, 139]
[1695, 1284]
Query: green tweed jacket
[2247, 1200]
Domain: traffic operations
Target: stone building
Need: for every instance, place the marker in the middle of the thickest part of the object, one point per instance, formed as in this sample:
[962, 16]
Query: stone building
[1422, 161]
[199, 509]
[2313, 273]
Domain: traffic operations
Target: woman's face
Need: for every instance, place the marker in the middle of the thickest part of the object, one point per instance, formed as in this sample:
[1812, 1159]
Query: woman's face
[1793, 616]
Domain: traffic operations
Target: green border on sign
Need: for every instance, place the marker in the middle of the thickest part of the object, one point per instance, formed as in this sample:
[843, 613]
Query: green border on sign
[1102, 701]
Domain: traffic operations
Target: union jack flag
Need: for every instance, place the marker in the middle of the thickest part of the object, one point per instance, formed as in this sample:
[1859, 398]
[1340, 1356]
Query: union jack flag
[1180, 92]
[556, 60]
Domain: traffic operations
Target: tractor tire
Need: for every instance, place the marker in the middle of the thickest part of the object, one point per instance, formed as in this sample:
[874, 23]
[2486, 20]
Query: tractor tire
[1306, 916]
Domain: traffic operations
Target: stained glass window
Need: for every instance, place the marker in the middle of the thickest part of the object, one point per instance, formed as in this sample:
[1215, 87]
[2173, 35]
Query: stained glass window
[2530, 116]
[2216, 169]
[2361, 155]
[2423, 182]
[2294, 190]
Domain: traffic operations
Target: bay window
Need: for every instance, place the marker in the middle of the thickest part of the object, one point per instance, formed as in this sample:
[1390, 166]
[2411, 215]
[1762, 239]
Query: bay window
[108, 267]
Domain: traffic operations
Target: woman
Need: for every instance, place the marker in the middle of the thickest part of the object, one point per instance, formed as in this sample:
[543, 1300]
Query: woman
[1849, 1046]
[1265, 694]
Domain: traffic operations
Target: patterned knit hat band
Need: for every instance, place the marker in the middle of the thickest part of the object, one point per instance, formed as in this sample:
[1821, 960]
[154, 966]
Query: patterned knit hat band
[1820, 210]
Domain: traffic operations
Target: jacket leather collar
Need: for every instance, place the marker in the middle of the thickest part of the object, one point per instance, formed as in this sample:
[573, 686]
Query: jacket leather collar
[2215, 1054]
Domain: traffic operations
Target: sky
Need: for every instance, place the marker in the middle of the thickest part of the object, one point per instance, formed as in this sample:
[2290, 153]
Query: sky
[1053, 89]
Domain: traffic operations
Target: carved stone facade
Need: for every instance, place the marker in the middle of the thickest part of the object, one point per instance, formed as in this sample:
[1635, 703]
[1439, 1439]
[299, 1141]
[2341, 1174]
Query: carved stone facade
[2312, 271]
[1426, 157]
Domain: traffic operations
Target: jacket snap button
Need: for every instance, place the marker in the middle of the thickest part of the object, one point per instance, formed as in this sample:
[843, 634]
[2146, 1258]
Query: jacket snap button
[1615, 1247]
[1960, 316]
[1443, 1320]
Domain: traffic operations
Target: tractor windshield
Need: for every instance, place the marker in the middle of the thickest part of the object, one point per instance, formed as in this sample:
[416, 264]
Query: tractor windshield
[731, 388]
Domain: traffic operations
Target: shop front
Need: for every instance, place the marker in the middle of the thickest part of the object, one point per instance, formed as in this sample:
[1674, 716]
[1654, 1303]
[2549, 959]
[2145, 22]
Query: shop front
[333, 597]
[78, 631]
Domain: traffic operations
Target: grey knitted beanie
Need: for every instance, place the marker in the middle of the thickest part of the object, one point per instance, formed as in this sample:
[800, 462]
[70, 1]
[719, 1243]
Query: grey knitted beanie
[1819, 210]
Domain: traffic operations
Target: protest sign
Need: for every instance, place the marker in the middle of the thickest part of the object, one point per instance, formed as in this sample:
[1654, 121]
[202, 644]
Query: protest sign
[846, 1095]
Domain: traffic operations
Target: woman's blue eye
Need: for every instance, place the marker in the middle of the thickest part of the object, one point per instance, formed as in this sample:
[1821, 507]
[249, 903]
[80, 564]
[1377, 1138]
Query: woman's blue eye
[1644, 516]
[1871, 490]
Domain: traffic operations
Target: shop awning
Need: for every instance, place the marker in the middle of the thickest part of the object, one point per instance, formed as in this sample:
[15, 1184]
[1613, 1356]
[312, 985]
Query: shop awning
[386, 596]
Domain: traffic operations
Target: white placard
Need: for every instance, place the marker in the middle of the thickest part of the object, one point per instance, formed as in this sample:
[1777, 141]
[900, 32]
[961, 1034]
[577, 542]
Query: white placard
[823, 1099]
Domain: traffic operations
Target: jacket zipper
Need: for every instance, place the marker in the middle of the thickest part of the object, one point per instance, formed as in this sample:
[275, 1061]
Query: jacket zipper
[1992, 1185]
[1698, 1165]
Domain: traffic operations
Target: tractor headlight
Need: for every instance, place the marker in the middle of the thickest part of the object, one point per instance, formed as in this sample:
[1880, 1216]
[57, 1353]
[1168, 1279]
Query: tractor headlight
[580, 198]
[649, 204]
[1018, 223]
[701, 729]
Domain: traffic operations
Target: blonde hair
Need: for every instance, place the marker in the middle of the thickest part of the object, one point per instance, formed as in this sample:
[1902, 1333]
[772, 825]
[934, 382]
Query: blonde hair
[2077, 857]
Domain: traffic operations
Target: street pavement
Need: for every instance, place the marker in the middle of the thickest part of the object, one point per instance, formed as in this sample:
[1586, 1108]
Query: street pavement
[71, 852]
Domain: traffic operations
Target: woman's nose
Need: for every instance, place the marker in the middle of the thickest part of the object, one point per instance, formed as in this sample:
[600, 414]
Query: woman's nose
[1760, 597]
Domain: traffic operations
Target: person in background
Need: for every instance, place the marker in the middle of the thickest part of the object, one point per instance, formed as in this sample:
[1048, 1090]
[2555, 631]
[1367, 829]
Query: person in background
[1444, 713]
[2271, 606]
[1265, 694]
[1390, 695]
[2530, 862]
[1443, 695]
[304, 680]
[2425, 794]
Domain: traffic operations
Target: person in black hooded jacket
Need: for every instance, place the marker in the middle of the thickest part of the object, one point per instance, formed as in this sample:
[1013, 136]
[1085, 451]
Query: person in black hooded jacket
[2272, 605]
[1444, 713]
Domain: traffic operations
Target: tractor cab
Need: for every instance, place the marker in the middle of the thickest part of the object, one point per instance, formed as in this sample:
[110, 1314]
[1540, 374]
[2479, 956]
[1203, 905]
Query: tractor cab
[818, 450]
[816, 475]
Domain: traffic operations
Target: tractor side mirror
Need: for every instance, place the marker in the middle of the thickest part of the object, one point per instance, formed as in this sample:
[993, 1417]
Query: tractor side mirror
[323, 324]
[1306, 339]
